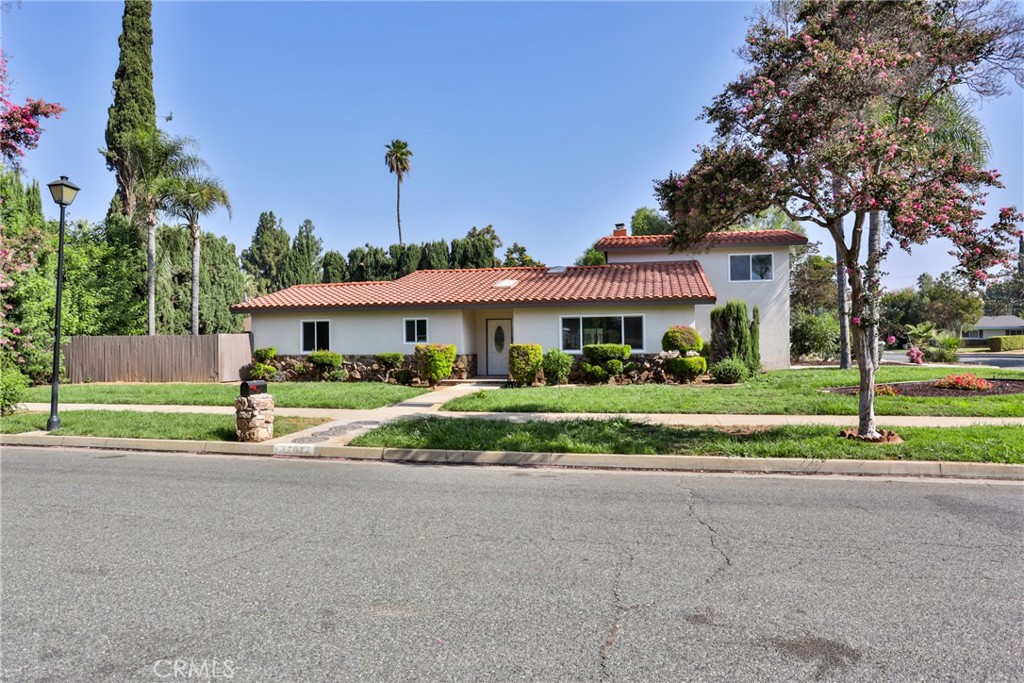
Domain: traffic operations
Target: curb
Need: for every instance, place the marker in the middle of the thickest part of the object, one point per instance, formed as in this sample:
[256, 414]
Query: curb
[676, 463]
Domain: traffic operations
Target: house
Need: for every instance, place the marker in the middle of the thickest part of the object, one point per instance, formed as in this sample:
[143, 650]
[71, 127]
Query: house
[992, 326]
[634, 299]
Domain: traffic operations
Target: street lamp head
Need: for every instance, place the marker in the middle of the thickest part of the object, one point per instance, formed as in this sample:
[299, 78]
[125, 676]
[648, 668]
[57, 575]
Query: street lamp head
[63, 191]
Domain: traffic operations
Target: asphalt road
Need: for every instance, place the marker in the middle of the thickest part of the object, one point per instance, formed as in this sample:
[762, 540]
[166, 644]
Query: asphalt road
[116, 566]
[1011, 361]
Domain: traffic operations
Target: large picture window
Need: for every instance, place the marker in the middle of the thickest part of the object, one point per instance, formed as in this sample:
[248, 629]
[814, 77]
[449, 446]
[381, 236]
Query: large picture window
[416, 331]
[578, 331]
[316, 335]
[750, 267]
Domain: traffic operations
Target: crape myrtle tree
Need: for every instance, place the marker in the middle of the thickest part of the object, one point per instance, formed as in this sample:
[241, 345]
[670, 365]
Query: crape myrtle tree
[19, 123]
[801, 130]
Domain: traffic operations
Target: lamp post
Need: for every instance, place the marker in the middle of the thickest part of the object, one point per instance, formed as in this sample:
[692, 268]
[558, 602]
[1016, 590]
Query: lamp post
[63, 192]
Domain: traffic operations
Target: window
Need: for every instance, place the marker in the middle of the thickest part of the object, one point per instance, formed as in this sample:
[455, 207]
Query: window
[750, 267]
[316, 335]
[577, 332]
[416, 331]
[972, 334]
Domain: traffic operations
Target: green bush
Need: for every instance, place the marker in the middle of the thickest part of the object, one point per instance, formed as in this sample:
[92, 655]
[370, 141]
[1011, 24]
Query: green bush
[594, 372]
[261, 371]
[264, 355]
[325, 360]
[687, 368]
[556, 365]
[338, 375]
[13, 385]
[754, 351]
[681, 338]
[524, 362]
[599, 353]
[729, 371]
[1006, 343]
[403, 376]
[434, 362]
[734, 335]
[935, 354]
[389, 361]
[816, 335]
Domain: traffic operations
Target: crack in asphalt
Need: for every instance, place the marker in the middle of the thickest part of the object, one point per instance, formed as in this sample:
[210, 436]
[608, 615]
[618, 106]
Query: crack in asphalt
[620, 612]
[713, 536]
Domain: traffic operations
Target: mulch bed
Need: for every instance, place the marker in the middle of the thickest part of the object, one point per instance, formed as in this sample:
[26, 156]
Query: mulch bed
[918, 389]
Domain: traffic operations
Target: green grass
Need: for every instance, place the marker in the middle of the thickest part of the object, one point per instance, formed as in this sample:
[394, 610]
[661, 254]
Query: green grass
[783, 392]
[963, 444]
[131, 425]
[362, 395]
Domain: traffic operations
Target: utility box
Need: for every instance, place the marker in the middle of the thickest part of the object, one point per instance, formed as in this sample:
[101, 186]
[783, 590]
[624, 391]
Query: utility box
[253, 387]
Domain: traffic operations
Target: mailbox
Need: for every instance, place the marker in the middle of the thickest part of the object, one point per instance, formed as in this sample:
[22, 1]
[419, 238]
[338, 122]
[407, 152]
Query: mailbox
[252, 387]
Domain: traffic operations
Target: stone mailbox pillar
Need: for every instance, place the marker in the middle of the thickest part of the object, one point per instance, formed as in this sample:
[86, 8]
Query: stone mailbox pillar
[254, 417]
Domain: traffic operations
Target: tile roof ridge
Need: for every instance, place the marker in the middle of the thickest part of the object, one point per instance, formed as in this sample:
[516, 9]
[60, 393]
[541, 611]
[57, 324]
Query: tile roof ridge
[474, 270]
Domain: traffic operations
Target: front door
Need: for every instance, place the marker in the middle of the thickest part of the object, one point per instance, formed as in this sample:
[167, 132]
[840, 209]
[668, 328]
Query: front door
[499, 336]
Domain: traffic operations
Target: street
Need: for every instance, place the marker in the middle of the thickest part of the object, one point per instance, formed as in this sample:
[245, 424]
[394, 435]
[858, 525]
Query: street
[136, 567]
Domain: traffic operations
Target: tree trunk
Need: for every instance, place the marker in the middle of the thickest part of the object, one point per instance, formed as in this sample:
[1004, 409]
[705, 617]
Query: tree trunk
[863, 337]
[151, 269]
[398, 209]
[844, 308]
[874, 283]
[196, 245]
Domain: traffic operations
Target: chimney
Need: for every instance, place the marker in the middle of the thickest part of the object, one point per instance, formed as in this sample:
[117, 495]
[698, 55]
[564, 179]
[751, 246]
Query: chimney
[620, 230]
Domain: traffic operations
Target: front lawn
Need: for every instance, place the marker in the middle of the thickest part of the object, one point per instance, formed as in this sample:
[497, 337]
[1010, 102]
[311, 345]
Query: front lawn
[962, 444]
[125, 424]
[783, 392]
[360, 395]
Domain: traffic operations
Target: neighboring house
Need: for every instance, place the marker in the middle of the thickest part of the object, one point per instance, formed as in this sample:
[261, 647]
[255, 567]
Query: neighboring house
[632, 300]
[993, 326]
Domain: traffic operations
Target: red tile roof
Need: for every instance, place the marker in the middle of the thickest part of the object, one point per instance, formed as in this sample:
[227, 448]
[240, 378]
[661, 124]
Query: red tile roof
[714, 239]
[678, 281]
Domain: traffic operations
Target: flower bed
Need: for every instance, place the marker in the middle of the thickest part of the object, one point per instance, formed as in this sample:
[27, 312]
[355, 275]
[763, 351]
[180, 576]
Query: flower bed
[964, 382]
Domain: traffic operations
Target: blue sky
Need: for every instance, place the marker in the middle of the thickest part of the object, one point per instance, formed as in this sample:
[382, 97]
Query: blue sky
[547, 120]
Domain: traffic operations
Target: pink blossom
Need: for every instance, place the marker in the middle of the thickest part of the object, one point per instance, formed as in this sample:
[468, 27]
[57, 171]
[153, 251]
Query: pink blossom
[856, 320]
[890, 339]
[16, 330]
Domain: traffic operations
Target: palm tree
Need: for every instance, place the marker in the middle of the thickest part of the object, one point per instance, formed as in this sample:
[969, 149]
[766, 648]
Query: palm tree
[191, 198]
[153, 162]
[397, 161]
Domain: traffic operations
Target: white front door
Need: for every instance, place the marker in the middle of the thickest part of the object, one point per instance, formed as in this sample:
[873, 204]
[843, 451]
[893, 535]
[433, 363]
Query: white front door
[499, 336]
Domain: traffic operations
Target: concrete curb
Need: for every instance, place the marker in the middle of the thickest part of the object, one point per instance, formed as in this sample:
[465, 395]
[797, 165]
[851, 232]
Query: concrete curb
[680, 463]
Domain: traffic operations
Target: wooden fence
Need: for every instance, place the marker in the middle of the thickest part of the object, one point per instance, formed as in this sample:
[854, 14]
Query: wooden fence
[206, 358]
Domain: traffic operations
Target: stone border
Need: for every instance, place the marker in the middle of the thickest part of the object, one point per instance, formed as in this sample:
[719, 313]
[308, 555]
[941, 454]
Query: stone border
[678, 463]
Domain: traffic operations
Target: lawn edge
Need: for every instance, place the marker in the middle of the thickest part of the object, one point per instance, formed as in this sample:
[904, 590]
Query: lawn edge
[680, 463]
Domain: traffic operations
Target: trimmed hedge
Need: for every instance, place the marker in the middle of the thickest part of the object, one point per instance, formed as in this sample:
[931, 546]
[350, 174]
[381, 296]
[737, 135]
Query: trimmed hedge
[389, 361]
[434, 362]
[681, 338]
[264, 355]
[602, 362]
[261, 371]
[687, 368]
[524, 363]
[556, 365]
[325, 360]
[1006, 343]
[729, 371]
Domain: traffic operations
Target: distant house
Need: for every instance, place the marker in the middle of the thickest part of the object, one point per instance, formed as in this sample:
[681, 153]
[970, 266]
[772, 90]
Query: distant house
[993, 326]
[634, 299]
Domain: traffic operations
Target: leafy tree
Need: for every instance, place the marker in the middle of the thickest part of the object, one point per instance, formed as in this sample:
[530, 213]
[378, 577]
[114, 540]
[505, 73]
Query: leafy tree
[516, 256]
[191, 198]
[369, 263]
[302, 264]
[800, 130]
[335, 268]
[473, 251]
[949, 302]
[435, 256]
[592, 257]
[487, 232]
[897, 310]
[397, 160]
[647, 221]
[1005, 296]
[404, 259]
[19, 124]
[812, 284]
[267, 253]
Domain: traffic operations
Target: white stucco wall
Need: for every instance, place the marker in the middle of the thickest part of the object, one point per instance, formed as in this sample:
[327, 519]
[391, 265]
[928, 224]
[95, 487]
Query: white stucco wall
[542, 325]
[771, 297]
[362, 332]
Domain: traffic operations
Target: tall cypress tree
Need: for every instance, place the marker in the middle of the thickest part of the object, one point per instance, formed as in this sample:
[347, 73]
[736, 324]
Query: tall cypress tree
[267, 254]
[134, 105]
[303, 266]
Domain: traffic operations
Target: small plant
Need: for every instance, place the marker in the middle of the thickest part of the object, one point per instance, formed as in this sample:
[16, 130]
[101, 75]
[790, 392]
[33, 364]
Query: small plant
[302, 369]
[729, 371]
[964, 382]
[13, 385]
[403, 377]
[338, 375]
[261, 371]
[916, 355]
[886, 390]
[594, 372]
[524, 362]
[556, 365]
[325, 360]
[686, 368]
[681, 338]
[389, 361]
[602, 362]
[264, 355]
[435, 361]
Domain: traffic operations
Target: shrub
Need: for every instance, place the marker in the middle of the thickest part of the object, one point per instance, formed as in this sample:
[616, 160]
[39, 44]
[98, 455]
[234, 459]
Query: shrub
[965, 382]
[681, 338]
[435, 361]
[524, 362]
[264, 355]
[886, 390]
[614, 366]
[935, 354]
[325, 360]
[1006, 343]
[338, 375]
[403, 376]
[302, 369]
[12, 388]
[556, 365]
[915, 355]
[599, 353]
[687, 368]
[389, 361]
[729, 371]
[734, 336]
[816, 335]
[261, 371]
[594, 372]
